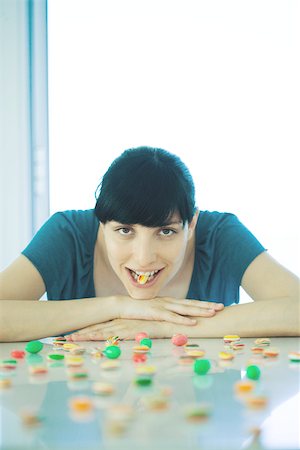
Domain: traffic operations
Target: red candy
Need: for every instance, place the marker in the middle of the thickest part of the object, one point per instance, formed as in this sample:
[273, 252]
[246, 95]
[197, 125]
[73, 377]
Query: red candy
[18, 354]
[139, 357]
[140, 336]
[179, 339]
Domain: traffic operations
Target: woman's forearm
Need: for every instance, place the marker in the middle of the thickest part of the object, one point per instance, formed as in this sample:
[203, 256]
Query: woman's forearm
[264, 318]
[23, 320]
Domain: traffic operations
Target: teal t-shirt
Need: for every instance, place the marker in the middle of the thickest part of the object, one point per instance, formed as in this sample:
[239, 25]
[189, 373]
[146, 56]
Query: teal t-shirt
[63, 252]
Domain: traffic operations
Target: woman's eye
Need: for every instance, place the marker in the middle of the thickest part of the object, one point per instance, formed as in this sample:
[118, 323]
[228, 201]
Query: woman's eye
[167, 232]
[124, 231]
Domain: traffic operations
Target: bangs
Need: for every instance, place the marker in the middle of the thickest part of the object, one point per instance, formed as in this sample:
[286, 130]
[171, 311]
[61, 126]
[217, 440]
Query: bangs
[146, 188]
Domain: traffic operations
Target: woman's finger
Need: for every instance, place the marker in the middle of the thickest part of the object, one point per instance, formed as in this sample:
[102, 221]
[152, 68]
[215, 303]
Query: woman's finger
[191, 310]
[198, 303]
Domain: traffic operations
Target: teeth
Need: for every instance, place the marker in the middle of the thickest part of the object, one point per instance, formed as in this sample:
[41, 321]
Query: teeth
[143, 277]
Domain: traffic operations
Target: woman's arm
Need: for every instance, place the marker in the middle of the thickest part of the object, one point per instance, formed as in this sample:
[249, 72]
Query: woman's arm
[275, 310]
[23, 317]
[257, 319]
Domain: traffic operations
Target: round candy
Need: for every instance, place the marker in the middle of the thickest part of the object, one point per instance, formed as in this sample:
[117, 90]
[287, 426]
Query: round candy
[179, 339]
[18, 354]
[231, 338]
[201, 366]
[34, 346]
[81, 404]
[140, 336]
[143, 380]
[55, 356]
[197, 412]
[243, 387]
[294, 356]
[104, 389]
[226, 356]
[5, 383]
[253, 372]
[112, 351]
[139, 357]
[146, 341]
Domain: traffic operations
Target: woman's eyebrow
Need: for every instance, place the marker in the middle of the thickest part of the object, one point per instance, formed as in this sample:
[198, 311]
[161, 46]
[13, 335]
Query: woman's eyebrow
[179, 222]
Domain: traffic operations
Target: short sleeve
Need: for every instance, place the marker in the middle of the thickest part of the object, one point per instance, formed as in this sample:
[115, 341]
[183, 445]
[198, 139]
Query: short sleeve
[224, 250]
[62, 252]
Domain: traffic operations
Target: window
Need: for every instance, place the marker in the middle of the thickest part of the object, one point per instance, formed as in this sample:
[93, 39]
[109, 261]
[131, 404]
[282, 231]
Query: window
[215, 82]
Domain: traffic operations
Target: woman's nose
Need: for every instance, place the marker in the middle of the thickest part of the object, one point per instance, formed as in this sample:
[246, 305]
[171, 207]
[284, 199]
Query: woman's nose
[144, 253]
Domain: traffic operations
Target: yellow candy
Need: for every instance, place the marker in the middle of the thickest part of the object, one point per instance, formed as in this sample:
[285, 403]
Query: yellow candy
[145, 370]
[226, 355]
[69, 346]
[142, 279]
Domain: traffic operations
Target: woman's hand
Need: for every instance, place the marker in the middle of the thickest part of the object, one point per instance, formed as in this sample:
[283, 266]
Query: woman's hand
[124, 329]
[179, 311]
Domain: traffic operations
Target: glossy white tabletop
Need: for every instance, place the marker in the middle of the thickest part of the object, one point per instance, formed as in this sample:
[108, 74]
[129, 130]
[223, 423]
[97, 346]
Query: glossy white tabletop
[228, 427]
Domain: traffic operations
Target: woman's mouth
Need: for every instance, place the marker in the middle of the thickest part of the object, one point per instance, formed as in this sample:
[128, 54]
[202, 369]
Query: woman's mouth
[141, 279]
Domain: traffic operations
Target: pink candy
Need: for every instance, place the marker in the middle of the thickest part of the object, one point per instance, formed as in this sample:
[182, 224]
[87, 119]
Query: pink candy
[140, 336]
[179, 339]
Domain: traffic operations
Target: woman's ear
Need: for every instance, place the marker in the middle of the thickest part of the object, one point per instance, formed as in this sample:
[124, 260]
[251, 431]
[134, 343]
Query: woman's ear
[193, 223]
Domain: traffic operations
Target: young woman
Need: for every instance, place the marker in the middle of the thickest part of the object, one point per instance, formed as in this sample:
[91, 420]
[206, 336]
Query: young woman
[146, 259]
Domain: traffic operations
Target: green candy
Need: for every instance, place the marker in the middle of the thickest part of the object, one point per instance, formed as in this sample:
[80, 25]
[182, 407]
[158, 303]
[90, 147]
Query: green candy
[201, 366]
[253, 372]
[112, 351]
[34, 346]
[55, 356]
[146, 342]
[143, 381]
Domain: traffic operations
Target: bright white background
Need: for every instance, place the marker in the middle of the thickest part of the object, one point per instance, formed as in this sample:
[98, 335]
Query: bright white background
[216, 82]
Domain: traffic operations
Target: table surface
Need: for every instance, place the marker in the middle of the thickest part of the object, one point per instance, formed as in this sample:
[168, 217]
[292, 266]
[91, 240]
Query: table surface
[229, 426]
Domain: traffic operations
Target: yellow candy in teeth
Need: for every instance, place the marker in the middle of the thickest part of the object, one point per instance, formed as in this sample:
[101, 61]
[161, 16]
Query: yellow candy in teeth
[142, 279]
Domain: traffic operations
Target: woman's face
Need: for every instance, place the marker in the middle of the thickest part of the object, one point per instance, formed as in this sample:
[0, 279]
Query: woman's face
[140, 253]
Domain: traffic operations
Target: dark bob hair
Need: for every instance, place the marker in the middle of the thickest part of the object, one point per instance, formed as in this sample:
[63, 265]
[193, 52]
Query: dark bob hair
[146, 186]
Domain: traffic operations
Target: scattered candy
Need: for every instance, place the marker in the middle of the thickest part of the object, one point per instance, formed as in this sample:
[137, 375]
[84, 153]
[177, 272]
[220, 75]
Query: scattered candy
[55, 356]
[139, 357]
[201, 366]
[231, 338]
[195, 353]
[103, 389]
[262, 341]
[5, 383]
[110, 365]
[189, 346]
[257, 350]
[112, 352]
[81, 404]
[243, 387]
[256, 401]
[34, 346]
[186, 360]
[253, 372]
[140, 336]
[30, 418]
[226, 356]
[294, 356]
[74, 360]
[271, 353]
[141, 349]
[197, 412]
[18, 354]
[143, 380]
[146, 370]
[179, 339]
[37, 370]
[237, 346]
[146, 341]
